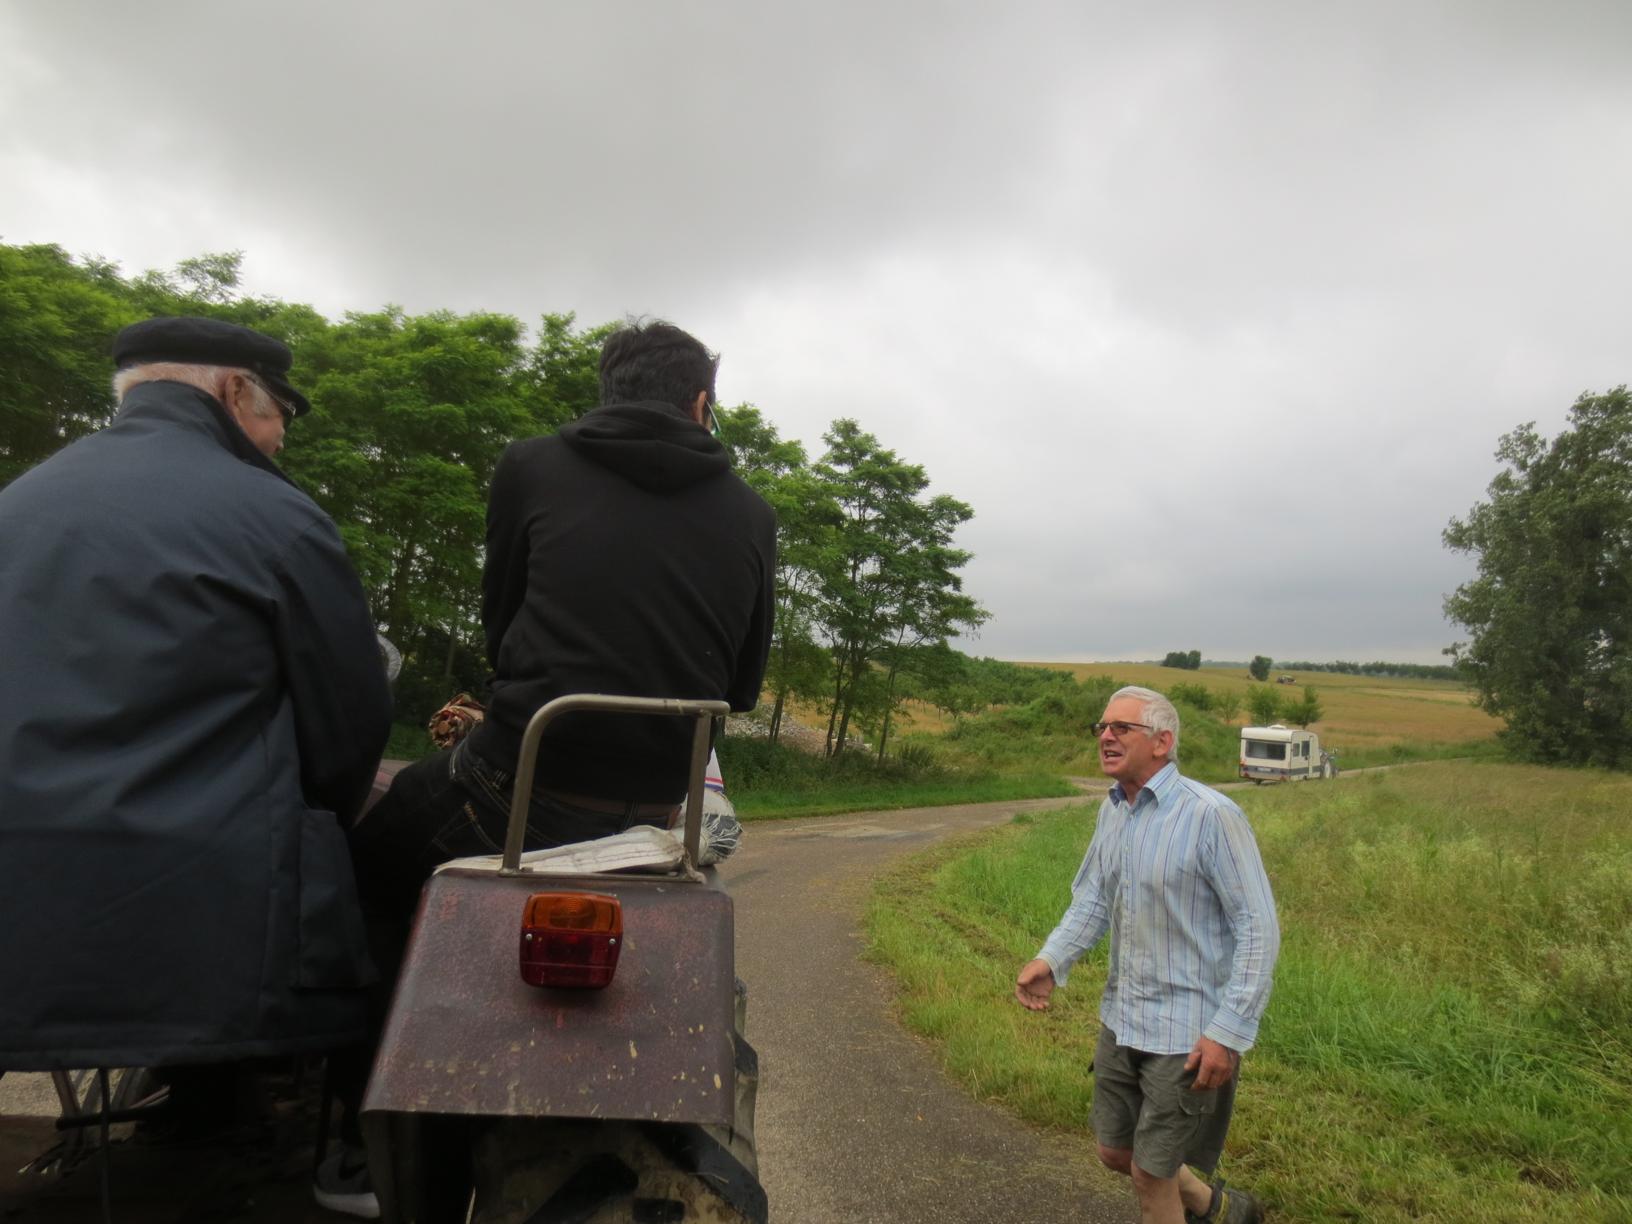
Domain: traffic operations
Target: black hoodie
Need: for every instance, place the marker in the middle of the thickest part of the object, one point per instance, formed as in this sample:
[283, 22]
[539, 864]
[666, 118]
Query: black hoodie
[623, 556]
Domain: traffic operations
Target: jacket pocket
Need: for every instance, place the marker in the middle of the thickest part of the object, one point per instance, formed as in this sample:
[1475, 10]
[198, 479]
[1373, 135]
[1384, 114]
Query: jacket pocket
[332, 941]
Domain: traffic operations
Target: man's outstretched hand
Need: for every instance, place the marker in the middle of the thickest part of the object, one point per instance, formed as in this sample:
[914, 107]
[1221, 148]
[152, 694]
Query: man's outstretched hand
[1034, 985]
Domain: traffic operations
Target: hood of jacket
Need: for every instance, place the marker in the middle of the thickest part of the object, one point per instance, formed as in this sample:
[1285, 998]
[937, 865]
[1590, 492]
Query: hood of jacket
[652, 445]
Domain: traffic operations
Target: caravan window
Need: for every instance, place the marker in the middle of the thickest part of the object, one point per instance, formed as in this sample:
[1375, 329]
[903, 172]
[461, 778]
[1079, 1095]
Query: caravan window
[1258, 750]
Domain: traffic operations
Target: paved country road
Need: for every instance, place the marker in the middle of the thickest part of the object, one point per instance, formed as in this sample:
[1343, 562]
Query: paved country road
[856, 1121]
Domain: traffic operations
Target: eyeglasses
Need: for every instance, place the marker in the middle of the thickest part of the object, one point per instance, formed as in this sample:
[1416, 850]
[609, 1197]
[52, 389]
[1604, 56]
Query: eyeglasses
[1118, 729]
[710, 421]
[288, 412]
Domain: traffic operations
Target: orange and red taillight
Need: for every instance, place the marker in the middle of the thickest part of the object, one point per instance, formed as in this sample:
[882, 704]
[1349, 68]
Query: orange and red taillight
[570, 939]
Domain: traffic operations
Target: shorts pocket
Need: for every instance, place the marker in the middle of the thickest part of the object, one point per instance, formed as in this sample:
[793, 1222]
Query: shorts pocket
[331, 951]
[1197, 1104]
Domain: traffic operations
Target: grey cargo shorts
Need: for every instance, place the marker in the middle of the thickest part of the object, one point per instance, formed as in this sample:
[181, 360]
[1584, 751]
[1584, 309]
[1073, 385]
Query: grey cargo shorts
[1144, 1102]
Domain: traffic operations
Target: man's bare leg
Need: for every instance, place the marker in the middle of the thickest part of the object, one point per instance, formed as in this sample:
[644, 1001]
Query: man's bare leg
[1186, 1190]
[1162, 1200]
[1197, 1194]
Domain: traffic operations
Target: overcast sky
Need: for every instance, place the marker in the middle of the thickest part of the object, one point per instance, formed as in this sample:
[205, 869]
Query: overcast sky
[1214, 313]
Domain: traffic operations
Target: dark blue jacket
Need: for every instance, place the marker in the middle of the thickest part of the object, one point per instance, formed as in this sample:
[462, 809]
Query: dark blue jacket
[191, 697]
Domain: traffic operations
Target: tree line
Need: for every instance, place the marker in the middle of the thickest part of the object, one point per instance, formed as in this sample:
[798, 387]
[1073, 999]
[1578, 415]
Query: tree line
[1408, 671]
[410, 415]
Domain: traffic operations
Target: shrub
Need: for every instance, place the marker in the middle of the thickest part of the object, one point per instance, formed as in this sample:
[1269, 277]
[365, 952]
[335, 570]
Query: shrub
[1263, 703]
[1196, 696]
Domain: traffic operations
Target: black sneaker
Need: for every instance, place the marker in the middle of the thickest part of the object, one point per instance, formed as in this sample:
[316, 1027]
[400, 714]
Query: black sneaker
[1229, 1207]
[342, 1184]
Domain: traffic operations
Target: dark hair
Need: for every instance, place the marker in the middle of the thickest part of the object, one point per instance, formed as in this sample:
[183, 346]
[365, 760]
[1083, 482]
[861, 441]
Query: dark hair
[654, 360]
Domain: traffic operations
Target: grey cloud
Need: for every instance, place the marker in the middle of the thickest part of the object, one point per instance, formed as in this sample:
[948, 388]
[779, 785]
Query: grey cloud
[1183, 266]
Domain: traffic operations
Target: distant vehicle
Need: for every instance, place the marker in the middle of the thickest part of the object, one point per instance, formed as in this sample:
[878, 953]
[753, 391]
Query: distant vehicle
[1283, 754]
[1286, 680]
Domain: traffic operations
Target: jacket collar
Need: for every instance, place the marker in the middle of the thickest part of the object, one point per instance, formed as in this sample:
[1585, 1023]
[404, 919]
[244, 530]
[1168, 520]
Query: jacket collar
[182, 404]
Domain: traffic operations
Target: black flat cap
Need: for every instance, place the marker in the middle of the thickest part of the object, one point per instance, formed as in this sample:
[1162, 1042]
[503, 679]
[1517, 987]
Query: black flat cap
[210, 342]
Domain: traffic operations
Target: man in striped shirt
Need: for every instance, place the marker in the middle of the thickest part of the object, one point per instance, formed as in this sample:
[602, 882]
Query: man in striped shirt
[1174, 875]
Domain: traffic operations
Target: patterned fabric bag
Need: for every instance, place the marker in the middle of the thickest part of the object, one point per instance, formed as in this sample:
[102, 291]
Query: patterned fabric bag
[454, 721]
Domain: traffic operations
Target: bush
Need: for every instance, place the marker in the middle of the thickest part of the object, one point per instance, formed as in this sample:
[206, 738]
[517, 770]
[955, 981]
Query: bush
[1196, 696]
[1264, 704]
[756, 764]
[1055, 732]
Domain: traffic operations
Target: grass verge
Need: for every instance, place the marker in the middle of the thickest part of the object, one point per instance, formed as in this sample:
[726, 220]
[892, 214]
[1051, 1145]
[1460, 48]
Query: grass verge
[768, 781]
[827, 799]
[1450, 1036]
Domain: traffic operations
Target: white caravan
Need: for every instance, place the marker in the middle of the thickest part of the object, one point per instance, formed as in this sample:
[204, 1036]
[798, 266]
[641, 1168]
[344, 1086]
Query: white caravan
[1283, 754]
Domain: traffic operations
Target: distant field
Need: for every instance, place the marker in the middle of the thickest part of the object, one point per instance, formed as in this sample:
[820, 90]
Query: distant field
[1362, 713]
[1368, 720]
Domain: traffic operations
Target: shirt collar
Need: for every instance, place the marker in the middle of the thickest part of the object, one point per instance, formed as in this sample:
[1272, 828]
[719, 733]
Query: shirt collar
[1161, 782]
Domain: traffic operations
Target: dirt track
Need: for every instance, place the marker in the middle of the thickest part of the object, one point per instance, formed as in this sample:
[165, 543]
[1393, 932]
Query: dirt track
[856, 1121]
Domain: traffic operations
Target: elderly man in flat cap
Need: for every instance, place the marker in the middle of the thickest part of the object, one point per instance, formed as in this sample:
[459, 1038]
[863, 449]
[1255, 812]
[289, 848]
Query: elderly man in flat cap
[193, 703]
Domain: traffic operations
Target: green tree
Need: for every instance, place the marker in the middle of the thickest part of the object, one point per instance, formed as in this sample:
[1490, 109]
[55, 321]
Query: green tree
[931, 605]
[1263, 703]
[946, 679]
[806, 516]
[1305, 710]
[1550, 612]
[410, 414]
[1197, 695]
[561, 379]
[211, 278]
[1259, 667]
[1227, 705]
[57, 319]
[886, 580]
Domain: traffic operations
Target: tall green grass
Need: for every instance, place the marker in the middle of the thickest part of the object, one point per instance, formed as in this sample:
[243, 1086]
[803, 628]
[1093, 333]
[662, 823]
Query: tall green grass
[1054, 732]
[772, 780]
[1450, 1034]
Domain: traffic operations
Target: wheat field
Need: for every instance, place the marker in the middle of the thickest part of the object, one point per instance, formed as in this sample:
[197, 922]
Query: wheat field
[1362, 713]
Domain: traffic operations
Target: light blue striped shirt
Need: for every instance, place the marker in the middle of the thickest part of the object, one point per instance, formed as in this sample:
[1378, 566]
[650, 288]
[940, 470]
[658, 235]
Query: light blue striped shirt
[1178, 882]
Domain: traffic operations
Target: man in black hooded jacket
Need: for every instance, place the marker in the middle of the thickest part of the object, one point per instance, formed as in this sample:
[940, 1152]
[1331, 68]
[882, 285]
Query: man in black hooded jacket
[623, 556]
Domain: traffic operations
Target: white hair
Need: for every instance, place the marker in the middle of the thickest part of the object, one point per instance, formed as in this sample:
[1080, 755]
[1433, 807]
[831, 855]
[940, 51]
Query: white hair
[211, 379]
[1156, 712]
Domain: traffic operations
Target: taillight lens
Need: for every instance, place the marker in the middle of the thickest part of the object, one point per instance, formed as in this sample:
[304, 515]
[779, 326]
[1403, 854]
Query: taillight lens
[570, 939]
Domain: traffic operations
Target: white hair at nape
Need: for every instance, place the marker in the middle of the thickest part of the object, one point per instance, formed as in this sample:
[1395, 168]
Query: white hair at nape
[1156, 712]
[210, 379]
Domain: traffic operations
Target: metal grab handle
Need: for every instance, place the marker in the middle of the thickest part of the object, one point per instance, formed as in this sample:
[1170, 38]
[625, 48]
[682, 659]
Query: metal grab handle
[703, 711]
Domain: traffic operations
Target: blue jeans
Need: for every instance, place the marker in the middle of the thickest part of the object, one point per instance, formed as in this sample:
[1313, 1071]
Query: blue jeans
[456, 804]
